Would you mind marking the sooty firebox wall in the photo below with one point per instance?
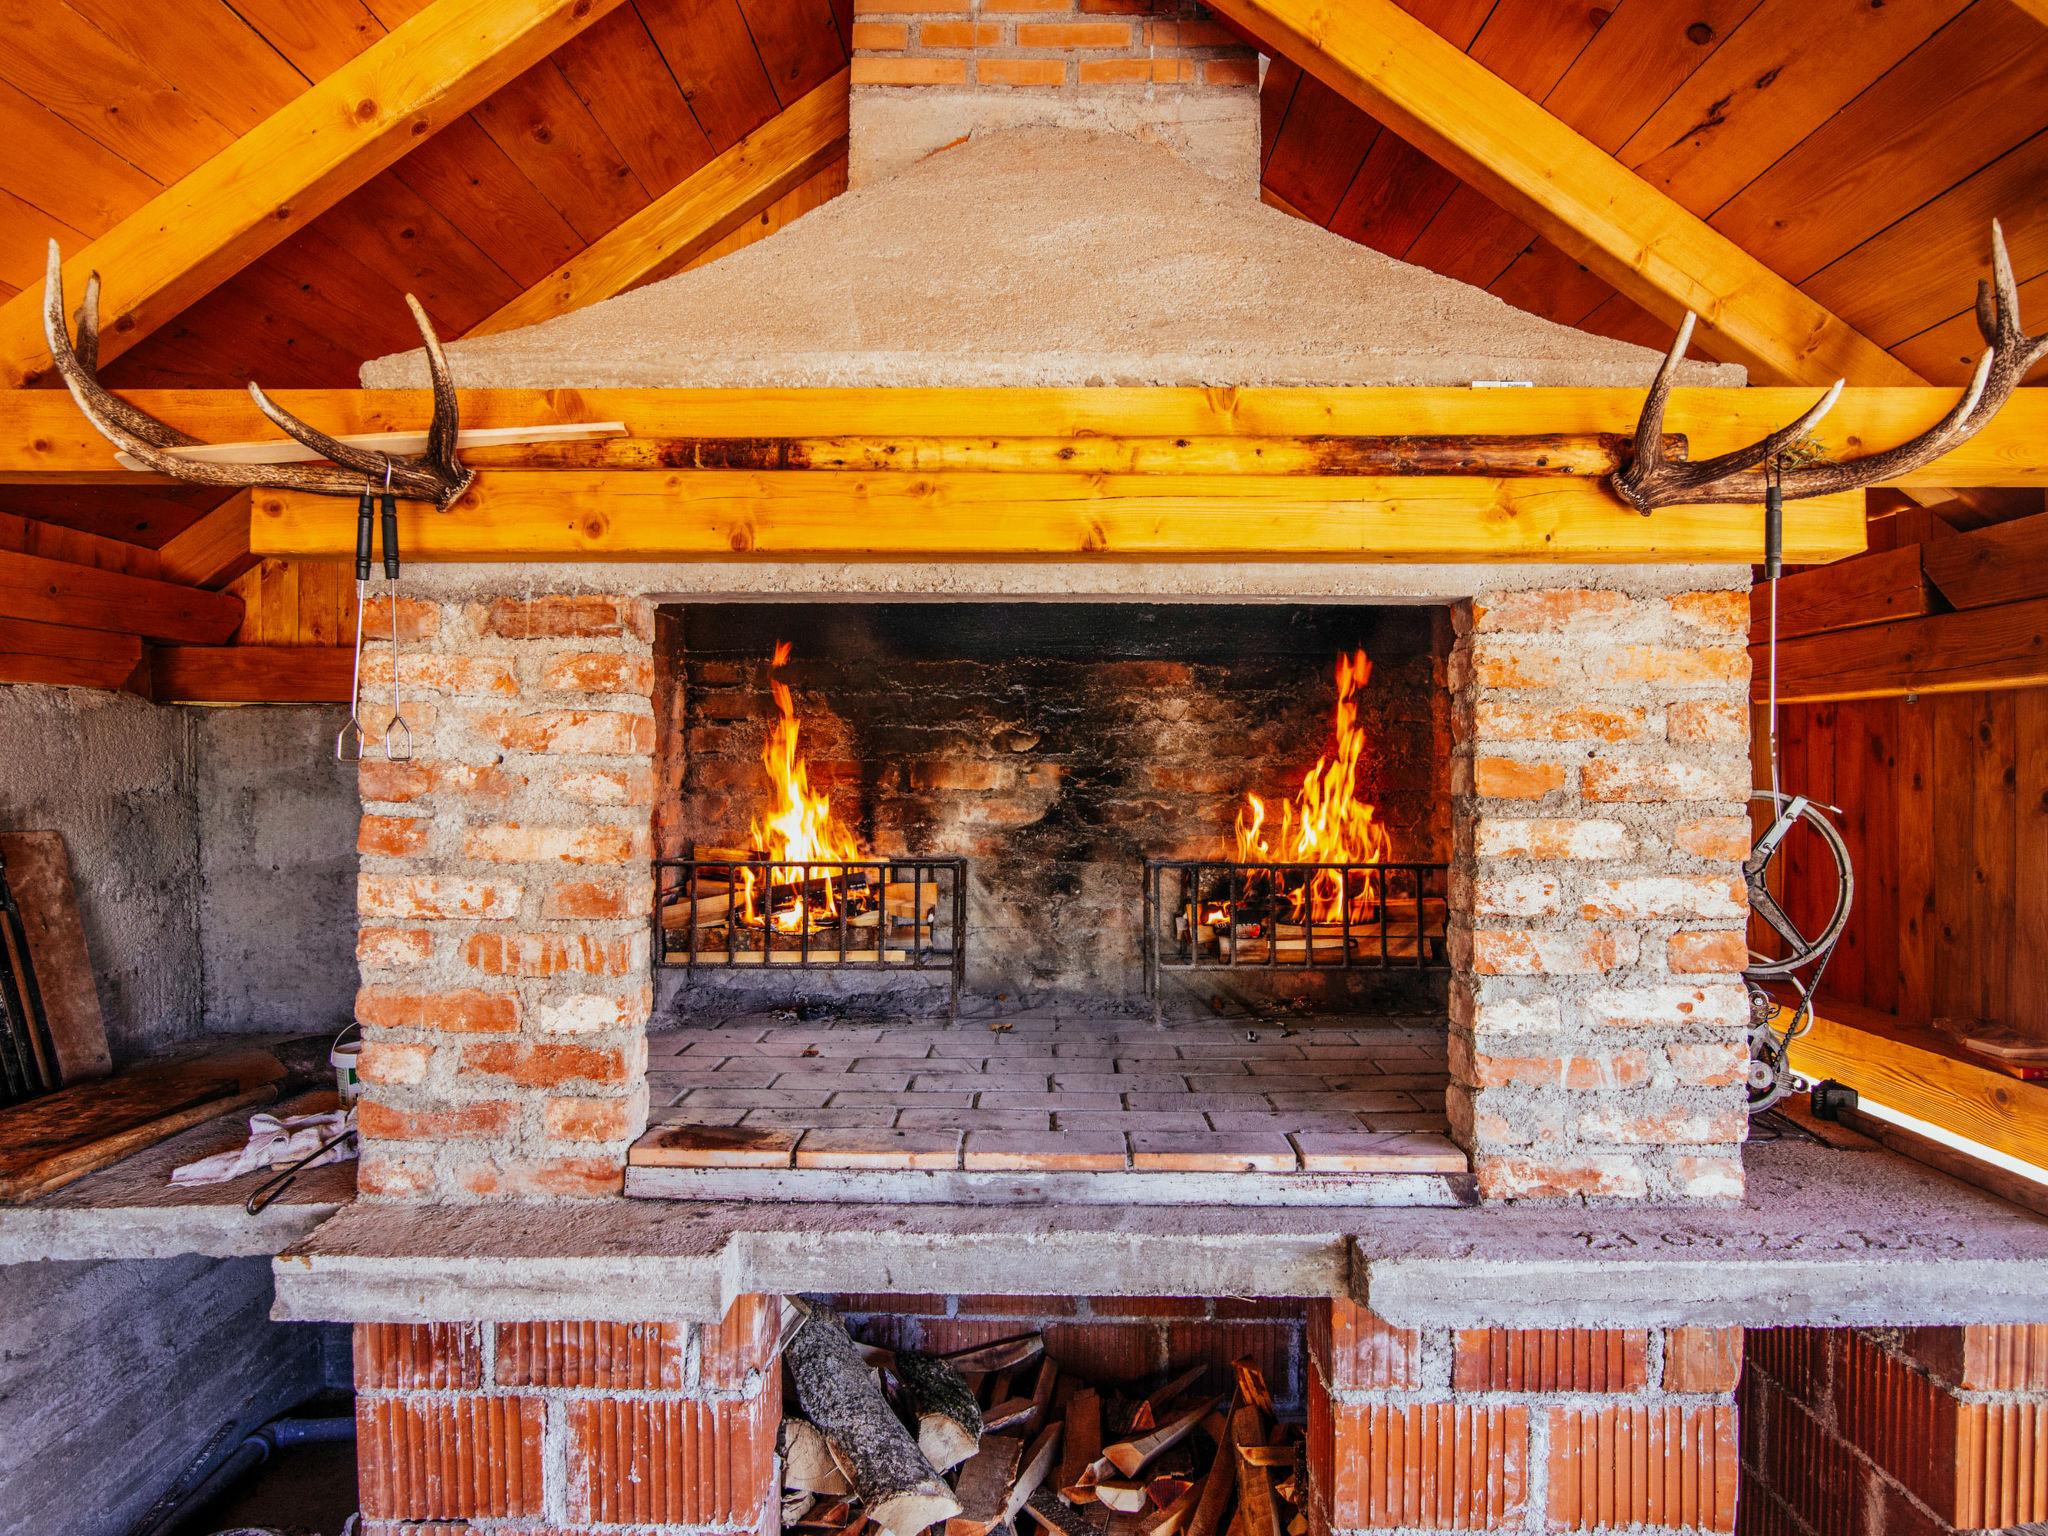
(1057, 746)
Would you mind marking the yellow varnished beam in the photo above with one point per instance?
(742, 514)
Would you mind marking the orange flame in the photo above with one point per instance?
(800, 826)
(1326, 822)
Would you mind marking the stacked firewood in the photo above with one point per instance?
(978, 1440)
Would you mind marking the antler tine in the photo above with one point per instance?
(447, 422)
(360, 460)
(78, 366)
(1998, 319)
(1876, 468)
(1764, 449)
(1649, 444)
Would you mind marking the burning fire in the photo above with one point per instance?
(1326, 822)
(800, 827)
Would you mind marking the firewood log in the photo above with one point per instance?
(807, 1462)
(984, 1484)
(1038, 1463)
(949, 1424)
(1083, 1440)
(1001, 1355)
(1217, 1487)
(1126, 1498)
(838, 1393)
(1010, 1413)
(1255, 1506)
(1131, 1457)
(1170, 1520)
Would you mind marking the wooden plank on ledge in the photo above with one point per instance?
(1919, 1073)
(1873, 588)
(252, 674)
(286, 450)
(2002, 647)
(56, 592)
(44, 439)
(740, 514)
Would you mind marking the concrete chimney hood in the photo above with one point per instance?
(989, 240)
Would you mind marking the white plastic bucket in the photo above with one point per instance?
(342, 1057)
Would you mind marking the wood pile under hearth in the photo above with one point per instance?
(997, 1439)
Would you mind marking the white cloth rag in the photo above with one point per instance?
(273, 1142)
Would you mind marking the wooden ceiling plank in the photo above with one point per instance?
(617, 72)
(1532, 43)
(1393, 197)
(715, 63)
(57, 592)
(1472, 239)
(799, 44)
(238, 333)
(547, 131)
(25, 235)
(1625, 320)
(2004, 563)
(210, 54)
(692, 216)
(141, 512)
(1946, 353)
(304, 158)
(54, 541)
(1654, 49)
(1630, 234)
(214, 550)
(1923, 269)
(316, 36)
(1545, 281)
(1966, 96)
(104, 91)
(51, 166)
(462, 172)
(1791, 66)
(1276, 96)
(1322, 142)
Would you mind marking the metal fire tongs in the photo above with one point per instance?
(397, 731)
(348, 741)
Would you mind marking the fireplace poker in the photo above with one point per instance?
(398, 724)
(344, 751)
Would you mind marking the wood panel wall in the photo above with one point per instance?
(1944, 806)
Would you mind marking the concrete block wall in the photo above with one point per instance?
(503, 899)
(1599, 777)
(1909, 1432)
(1540, 1430)
(1046, 45)
(560, 1427)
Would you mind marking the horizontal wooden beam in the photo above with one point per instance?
(1874, 588)
(2002, 647)
(295, 165)
(2004, 563)
(65, 656)
(43, 439)
(214, 550)
(1660, 254)
(740, 514)
(1915, 1072)
(251, 674)
(56, 592)
(692, 216)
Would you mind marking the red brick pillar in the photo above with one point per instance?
(1566, 1429)
(504, 897)
(548, 1426)
(1599, 775)
(1910, 1432)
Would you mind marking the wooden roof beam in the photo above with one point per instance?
(295, 165)
(694, 215)
(1569, 190)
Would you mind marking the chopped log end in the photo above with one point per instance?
(906, 1514)
(945, 1442)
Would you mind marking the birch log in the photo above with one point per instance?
(838, 1393)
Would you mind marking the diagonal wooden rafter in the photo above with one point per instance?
(665, 236)
(1565, 187)
(299, 162)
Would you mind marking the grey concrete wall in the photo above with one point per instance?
(115, 775)
(277, 870)
(114, 1376)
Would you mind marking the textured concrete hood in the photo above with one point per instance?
(1046, 256)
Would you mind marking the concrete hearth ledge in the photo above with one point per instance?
(1828, 1236)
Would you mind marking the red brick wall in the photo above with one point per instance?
(1046, 44)
(503, 900)
(1909, 1432)
(569, 1427)
(1600, 772)
(1547, 1429)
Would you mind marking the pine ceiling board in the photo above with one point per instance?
(1322, 143)
(1545, 281)
(1531, 43)
(1393, 197)
(393, 230)
(235, 335)
(1276, 94)
(1622, 318)
(51, 166)
(53, 541)
(1977, 88)
(1925, 268)
(547, 131)
(317, 36)
(1786, 70)
(462, 172)
(799, 44)
(1457, 20)
(1947, 353)
(215, 58)
(1471, 239)
(713, 58)
(25, 234)
(1644, 52)
(75, 70)
(147, 515)
(624, 81)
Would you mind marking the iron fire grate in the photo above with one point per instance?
(1219, 914)
(891, 915)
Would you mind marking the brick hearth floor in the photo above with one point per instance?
(1052, 1093)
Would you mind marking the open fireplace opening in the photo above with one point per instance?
(1206, 808)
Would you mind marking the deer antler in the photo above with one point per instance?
(435, 475)
(1649, 480)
